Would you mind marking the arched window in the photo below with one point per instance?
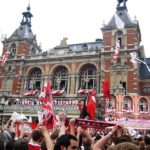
(127, 103)
(143, 106)
(60, 78)
(34, 79)
(112, 102)
(13, 50)
(88, 77)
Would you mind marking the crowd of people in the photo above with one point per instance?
(67, 135)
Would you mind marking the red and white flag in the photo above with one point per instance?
(83, 91)
(58, 92)
(116, 52)
(89, 104)
(31, 93)
(48, 117)
(4, 57)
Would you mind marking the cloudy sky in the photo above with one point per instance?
(78, 20)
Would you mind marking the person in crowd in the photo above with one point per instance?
(36, 139)
(126, 146)
(1, 144)
(66, 142)
(21, 144)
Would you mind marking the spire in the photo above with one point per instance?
(26, 20)
(121, 17)
(121, 5)
(24, 30)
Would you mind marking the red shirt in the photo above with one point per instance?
(34, 146)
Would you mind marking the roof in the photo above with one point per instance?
(97, 45)
(24, 30)
(122, 12)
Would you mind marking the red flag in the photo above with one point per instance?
(43, 92)
(48, 89)
(106, 89)
(4, 57)
(91, 104)
(48, 119)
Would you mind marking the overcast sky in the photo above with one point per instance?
(78, 20)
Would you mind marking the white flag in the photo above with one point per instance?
(119, 22)
(134, 59)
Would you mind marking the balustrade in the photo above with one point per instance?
(34, 108)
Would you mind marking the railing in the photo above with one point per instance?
(34, 108)
(5, 92)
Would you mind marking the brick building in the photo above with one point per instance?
(82, 65)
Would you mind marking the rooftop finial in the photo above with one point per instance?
(28, 8)
(121, 1)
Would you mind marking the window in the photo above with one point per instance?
(143, 106)
(120, 37)
(34, 79)
(88, 77)
(146, 90)
(127, 103)
(13, 50)
(60, 78)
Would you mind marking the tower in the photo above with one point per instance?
(122, 29)
(21, 43)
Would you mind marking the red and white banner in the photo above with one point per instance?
(83, 91)
(116, 52)
(31, 93)
(93, 124)
(58, 92)
(4, 57)
(48, 117)
(127, 111)
(26, 127)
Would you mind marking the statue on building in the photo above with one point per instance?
(63, 42)
(121, 1)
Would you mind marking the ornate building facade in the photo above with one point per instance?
(75, 66)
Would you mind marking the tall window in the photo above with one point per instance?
(112, 103)
(143, 106)
(13, 50)
(120, 37)
(34, 79)
(127, 103)
(60, 78)
(88, 77)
